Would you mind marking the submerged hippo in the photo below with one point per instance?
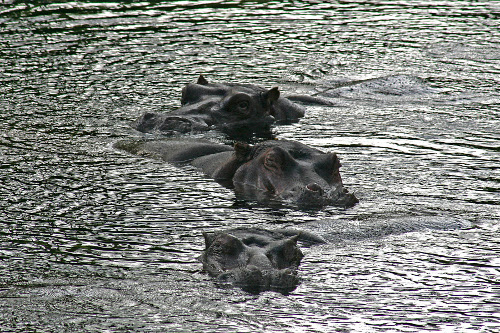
(231, 108)
(254, 259)
(269, 172)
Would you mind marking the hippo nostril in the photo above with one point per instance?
(315, 188)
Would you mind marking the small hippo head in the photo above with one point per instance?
(254, 264)
(239, 110)
(292, 172)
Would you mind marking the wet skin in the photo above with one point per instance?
(230, 108)
(270, 172)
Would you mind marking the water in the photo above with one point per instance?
(92, 239)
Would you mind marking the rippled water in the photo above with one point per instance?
(92, 239)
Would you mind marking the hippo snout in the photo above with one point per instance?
(347, 199)
(342, 197)
(313, 195)
(254, 280)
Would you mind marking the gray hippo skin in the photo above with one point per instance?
(271, 172)
(255, 260)
(231, 108)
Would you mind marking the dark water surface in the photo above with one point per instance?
(92, 239)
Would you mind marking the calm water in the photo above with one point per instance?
(92, 239)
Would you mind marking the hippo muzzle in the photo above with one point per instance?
(254, 280)
(313, 195)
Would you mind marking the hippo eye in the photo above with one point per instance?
(238, 102)
(272, 161)
(243, 105)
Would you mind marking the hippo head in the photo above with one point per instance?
(239, 110)
(252, 262)
(292, 172)
(230, 107)
(236, 107)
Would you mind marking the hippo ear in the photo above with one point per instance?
(285, 253)
(334, 165)
(209, 238)
(271, 95)
(202, 80)
(328, 162)
(291, 252)
(225, 243)
(292, 240)
(336, 161)
(242, 151)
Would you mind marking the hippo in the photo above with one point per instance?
(254, 259)
(272, 172)
(235, 109)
